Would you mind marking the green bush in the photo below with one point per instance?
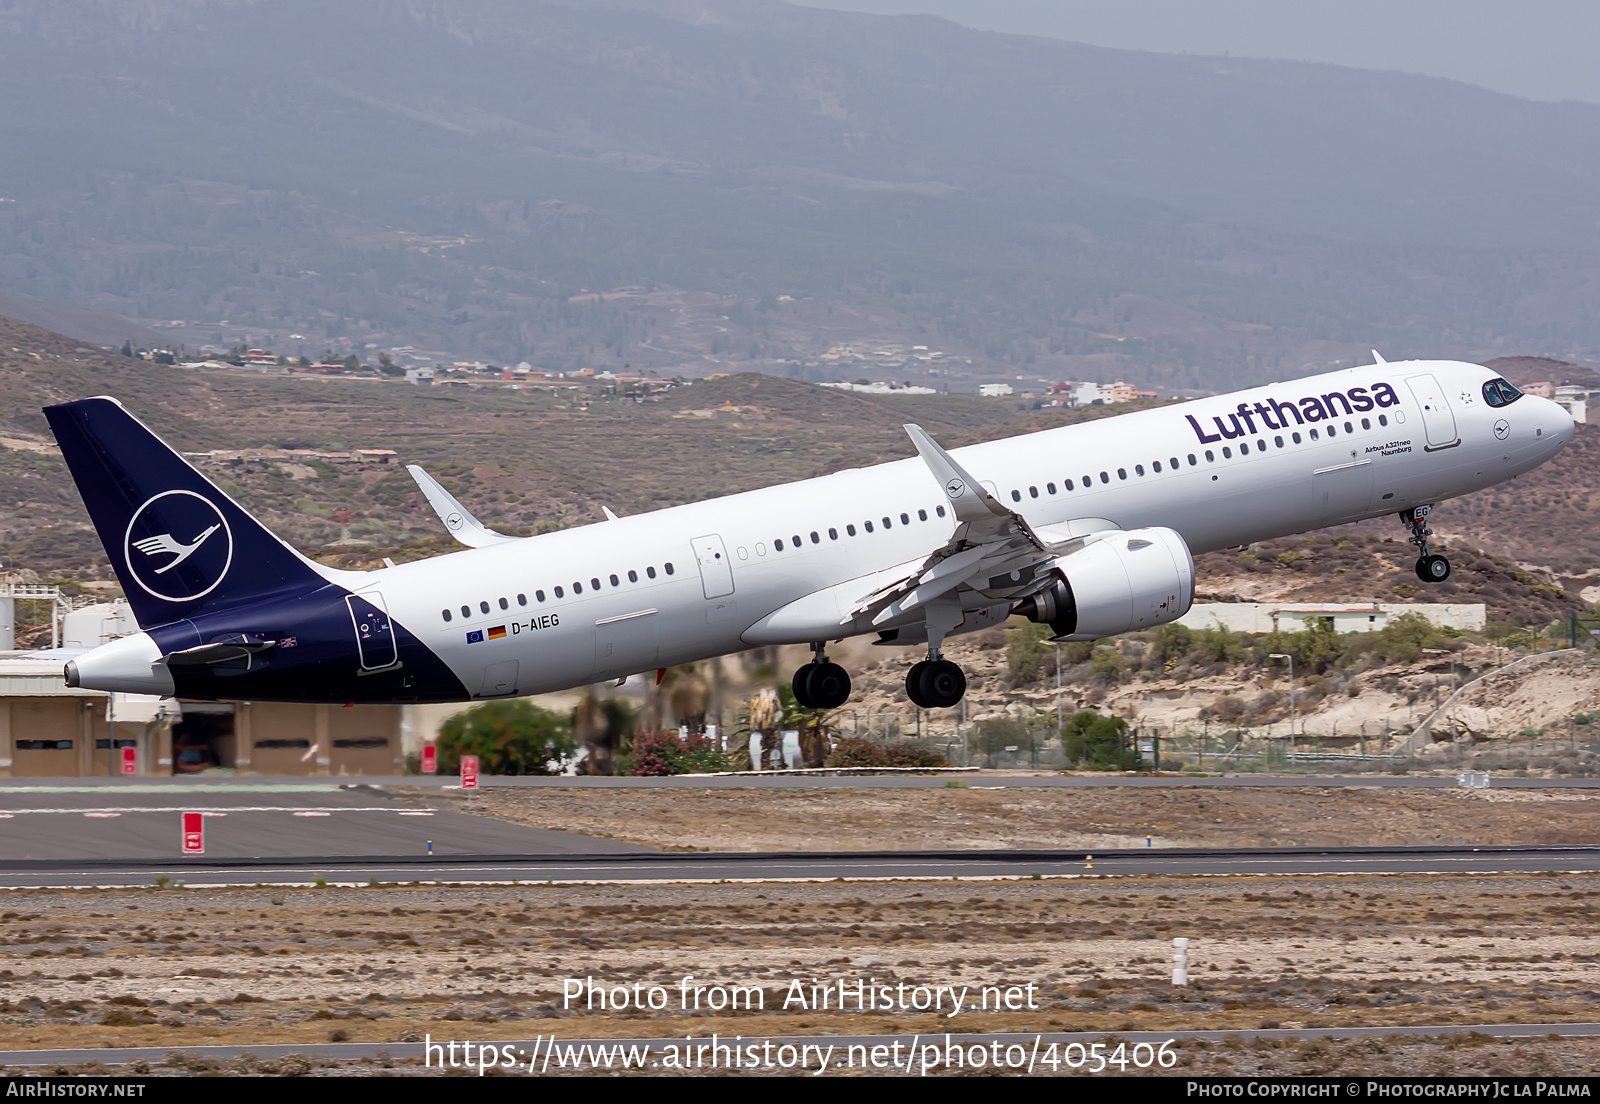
(508, 737)
(854, 752)
(1027, 647)
(1100, 742)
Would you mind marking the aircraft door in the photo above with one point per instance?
(375, 642)
(1438, 420)
(716, 573)
(626, 645)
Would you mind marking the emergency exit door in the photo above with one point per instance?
(716, 573)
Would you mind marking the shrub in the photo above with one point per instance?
(855, 752)
(1027, 646)
(657, 754)
(1099, 741)
(508, 737)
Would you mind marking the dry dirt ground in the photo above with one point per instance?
(861, 819)
(263, 965)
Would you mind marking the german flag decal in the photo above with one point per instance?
(497, 633)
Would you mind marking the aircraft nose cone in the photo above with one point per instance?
(1562, 423)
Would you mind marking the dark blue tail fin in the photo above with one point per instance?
(180, 546)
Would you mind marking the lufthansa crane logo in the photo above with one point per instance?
(955, 488)
(178, 546)
(1502, 429)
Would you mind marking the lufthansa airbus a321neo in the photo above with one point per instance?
(1088, 528)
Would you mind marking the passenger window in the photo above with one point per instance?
(922, 515)
(1050, 488)
(814, 538)
(867, 525)
(1210, 457)
(1138, 469)
(594, 583)
(1155, 466)
(850, 530)
(1104, 478)
(1088, 480)
(615, 581)
(1016, 496)
(1244, 449)
(522, 599)
(577, 588)
(795, 540)
(1348, 428)
(1366, 423)
(504, 604)
(1296, 437)
(1033, 492)
(650, 572)
(668, 566)
(1122, 473)
(560, 593)
(1261, 446)
(1333, 431)
(1313, 434)
(466, 611)
(538, 595)
(905, 519)
(939, 510)
(1174, 463)
(833, 534)
(633, 576)
(1227, 453)
(446, 614)
(1278, 441)
(1192, 460)
(1383, 419)
(777, 544)
(887, 524)
(484, 606)
(1067, 483)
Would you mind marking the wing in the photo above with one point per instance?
(461, 524)
(993, 551)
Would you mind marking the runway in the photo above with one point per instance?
(570, 1053)
(641, 866)
(249, 820)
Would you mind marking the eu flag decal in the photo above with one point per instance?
(497, 633)
(475, 636)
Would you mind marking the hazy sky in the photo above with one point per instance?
(1539, 49)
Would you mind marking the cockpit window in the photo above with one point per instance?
(1498, 392)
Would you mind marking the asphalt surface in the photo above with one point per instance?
(533, 1051)
(643, 865)
(144, 822)
(786, 780)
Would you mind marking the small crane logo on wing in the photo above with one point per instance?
(155, 546)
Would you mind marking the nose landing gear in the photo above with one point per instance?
(820, 684)
(1430, 568)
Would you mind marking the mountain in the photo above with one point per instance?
(750, 182)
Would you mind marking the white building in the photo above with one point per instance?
(1265, 617)
(994, 390)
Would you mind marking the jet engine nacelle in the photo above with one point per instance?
(1122, 582)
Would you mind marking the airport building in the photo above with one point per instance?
(51, 730)
(1266, 617)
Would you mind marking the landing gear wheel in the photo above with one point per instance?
(827, 685)
(1433, 569)
(914, 684)
(800, 684)
(942, 684)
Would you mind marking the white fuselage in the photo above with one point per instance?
(736, 560)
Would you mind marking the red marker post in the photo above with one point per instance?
(430, 759)
(469, 772)
(194, 834)
(130, 760)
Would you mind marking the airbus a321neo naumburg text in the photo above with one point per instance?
(1088, 528)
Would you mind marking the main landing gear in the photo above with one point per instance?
(821, 684)
(935, 683)
(1430, 568)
